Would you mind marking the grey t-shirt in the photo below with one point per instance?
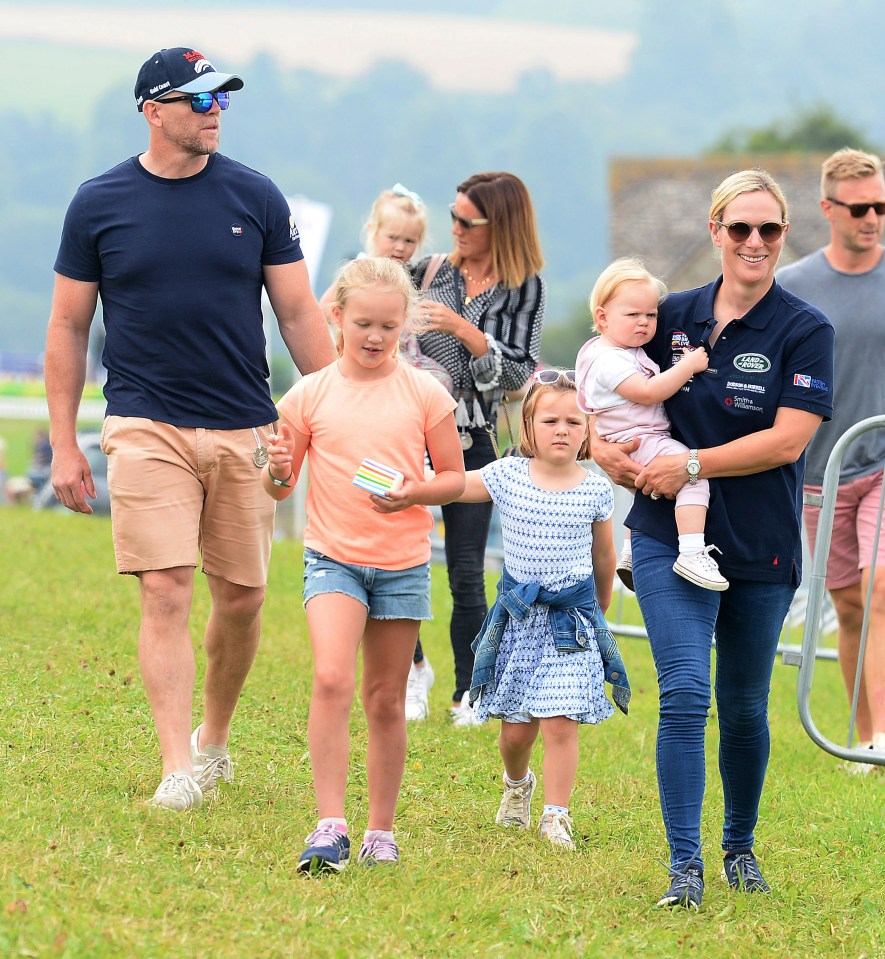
(855, 305)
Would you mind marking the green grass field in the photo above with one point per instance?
(18, 437)
(88, 870)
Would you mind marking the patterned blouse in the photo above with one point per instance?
(511, 320)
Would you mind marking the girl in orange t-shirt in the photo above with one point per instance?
(367, 556)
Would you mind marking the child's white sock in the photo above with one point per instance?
(627, 548)
(691, 543)
(516, 782)
(339, 824)
(373, 834)
(548, 807)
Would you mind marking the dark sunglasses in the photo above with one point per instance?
(857, 210)
(463, 221)
(202, 102)
(553, 376)
(739, 231)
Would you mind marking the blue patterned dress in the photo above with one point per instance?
(547, 539)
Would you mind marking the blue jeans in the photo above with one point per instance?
(680, 619)
(466, 532)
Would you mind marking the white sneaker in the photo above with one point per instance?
(701, 569)
(463, 714)
(624, 569)
(859, 769)
(516, 803)
(557, 828)
(417, 687)
(178, 792)
(211, 764)
(864, 769)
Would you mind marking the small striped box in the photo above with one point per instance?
(377, 478)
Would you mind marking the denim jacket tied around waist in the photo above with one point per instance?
(575, 618)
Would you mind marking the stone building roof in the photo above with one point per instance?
(659, 210)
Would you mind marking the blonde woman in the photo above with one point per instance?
(746, 422)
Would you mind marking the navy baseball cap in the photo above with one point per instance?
(183, 70)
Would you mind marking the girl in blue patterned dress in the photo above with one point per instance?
(544, 650)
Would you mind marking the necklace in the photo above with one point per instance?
(483, 283)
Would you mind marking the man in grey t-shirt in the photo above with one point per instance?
(846, 280)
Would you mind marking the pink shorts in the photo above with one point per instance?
(178, 493)
(855, 522)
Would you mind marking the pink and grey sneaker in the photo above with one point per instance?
(378, 848)
(328, 850)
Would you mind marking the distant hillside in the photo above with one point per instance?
(694, 72)
(454, 52)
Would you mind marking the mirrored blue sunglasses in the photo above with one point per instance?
(202, 102)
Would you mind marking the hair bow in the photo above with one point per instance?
(400, 190)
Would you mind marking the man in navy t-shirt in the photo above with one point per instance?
(179, 244)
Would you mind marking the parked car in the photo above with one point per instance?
(44, 496)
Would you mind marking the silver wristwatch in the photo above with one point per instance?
(693, 467)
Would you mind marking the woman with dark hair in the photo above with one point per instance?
(746, 421)
(482, 321)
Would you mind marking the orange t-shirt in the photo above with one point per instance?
(348, 420)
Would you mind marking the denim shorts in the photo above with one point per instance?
(386, 593)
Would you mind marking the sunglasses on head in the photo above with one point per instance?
(553, 376)
(857, 210)
(739, 231)
(202, 102)
(463, 221)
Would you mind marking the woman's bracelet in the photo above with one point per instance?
(280, 482)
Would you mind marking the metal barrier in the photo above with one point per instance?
(817, 593)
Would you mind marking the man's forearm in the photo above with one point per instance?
(65, 376)
(308, 342)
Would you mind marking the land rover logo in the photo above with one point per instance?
(752, 363)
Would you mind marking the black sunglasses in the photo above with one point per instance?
(739, 231)
(202, 102)
(465, 223)
(857, 210)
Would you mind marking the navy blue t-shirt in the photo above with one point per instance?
(179, 267)
(778, 354)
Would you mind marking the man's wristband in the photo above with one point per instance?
(280, 482)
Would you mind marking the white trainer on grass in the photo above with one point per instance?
(178, 792)
(212, 764)
(418, 687)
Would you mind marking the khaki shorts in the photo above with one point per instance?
(178, 493)
(855, 523)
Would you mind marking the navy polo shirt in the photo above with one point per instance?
(778, 354)
(180, 270)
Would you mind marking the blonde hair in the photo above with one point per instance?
(746, 181)
(502, 199)
(405, 203)
(847, 164)
(375, 273)
(627, 269)
(527, 443)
